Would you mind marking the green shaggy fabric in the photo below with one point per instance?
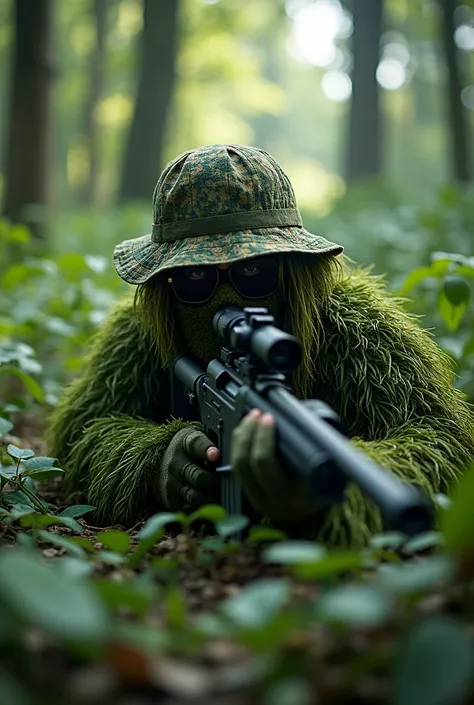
(109, 427)
(393, 388)
(364, 356)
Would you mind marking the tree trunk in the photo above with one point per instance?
(456, 112)
(30, 120)
(87, 192)
(157, 76)
(364, 138)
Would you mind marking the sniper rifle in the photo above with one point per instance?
(252, 371)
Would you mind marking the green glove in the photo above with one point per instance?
(184, 482)
(269, 489)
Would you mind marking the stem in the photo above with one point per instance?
(36, 500)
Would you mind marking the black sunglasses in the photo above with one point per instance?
(252, 279)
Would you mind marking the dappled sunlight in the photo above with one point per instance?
(316, 189)
(316, 26)
(114, 111)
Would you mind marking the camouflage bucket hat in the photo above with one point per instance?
(215, 204)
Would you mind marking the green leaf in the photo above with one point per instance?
(357, 606)
(112, 558)
(428, 539)
(37, 520)
(414, 577)
(390, 539)
(39, 462)
(332, 564)
(209, 512)
(466, 270)
(142, 549)
(19, 511)
(75, 568)
(16, 497)
(468, 349)
(175, 606)
(136, 596)
(19, 453)
(259, 534)
(19, 233)
(117, 541)
(72, 265)
(5, 427)
(48, 599)
(25, 540)
(166, 569)
(144, 638)
(231, 525)
(434, 665)
(76, 511)
(290, 691)
(451, 314)
(44, 473)
(155, 523)
(456, 290)
(62, 542)
(212, 543)
(30, 384)
(416, 277)
(8, 472)
(71, 523)
(293, 552)
(457, 522)
(151, 532)
(257, 603)
(87, 544)
(449, 257)
(211, 625)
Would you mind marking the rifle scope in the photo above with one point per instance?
(253, 330)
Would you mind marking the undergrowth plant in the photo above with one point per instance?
(178, 604)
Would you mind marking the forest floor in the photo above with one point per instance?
(205, 620)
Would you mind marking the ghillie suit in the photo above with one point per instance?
(362, 354)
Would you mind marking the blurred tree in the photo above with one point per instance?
(6, 58)
(87, 191)
(144, 149)
(364, 135)
(29, 128)
(457, 114)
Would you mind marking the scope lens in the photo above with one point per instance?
(283, 355)
(277, 349)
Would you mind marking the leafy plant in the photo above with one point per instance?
(19, 498)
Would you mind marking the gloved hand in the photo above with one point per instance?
(184, 482)
(254, 460)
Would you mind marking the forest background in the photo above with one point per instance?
(369, 107)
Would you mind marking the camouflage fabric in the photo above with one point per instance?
(218, 203)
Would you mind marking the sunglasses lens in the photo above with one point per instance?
(256, 278)
(194, 285)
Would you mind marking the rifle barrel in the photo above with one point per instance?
(403, 506)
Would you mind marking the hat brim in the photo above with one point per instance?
(137, 260)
